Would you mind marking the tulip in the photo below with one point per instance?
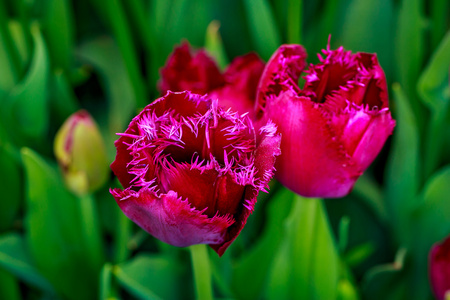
(439, 269)
(334, 126)
(81, 154)
(199, 73)
(191, 170)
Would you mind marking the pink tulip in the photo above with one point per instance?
(334, 126)
(439, 269)
(191, 170)
(197, 72)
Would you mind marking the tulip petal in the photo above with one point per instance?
(242, 77)
(184, 146)
(186, 70)
(171, 219)
(313, 161)
(439, 269)
(280, 74)
(363, 133)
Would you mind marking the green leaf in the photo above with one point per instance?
(62, 98)
(431, 216)
(105, 57)
(343, 233)
(9, 49)
(438, 18)
(214, 44)
(52, 227)
(369, 191)
(15, 259)
(260, 257)
(368, 27)
(10, 185)
(116, 19)
(434, 80)
(27, 102)
(409, 50)
(172, 24)
(386, 281)
(9, 286)
(430, 224)
(264, 33)
(150, 277)
(434, 90)
(58, 30)
(312, 268)
(359, 254)
(402, 171)
(295, 19)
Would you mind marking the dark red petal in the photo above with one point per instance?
(265, 155)
(240, 221)
(242, 77)
(281, 73)
(313, 163)
(185, 70)
(269, 142)
(439, 269)
(119, 165)
(376, 88)
(171, 219)
(184, 104)
(334, 71)
(206, 189)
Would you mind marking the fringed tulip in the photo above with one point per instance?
(439, 269)
(334, 126)
(198, 73)
(191, 170)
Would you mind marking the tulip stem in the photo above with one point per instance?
(122, 238)
(91, 230)
(202, 271)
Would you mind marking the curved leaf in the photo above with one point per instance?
(15, 259)
(52, 229)
(26, 106)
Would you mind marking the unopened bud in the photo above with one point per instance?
(80, 152)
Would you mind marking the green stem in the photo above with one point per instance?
(202, 271)
(294, 28)
(122, 237)
(91, 230)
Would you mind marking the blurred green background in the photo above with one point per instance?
(58, 56)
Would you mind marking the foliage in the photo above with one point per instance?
(58, 56)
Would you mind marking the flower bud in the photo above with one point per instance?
(80, 152)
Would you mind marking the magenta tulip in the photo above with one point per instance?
(199, 73)
(191, 170)
(439, 269)
(333, 127)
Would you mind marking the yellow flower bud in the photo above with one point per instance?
(81, 154)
